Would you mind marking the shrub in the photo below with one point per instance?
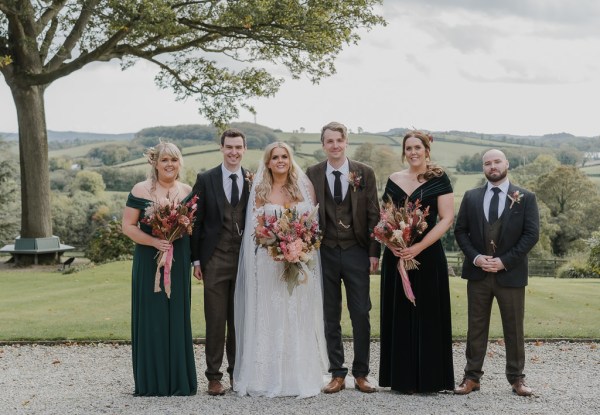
(109, 244)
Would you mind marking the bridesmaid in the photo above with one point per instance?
(416, 341)
(161, 330)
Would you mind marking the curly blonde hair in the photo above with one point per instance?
(263, 189)
(433, 170)
(153, 154)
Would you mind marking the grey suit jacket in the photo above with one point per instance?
(518, 235)
(365, 204)
(209, 216)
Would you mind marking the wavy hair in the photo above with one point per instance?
(433, 170)
(153, 154)
(263, 189)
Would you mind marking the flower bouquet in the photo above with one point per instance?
(169, 220)
(400, 227)
(290, 237)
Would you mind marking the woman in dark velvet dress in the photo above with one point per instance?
(416, 341)
(161, 330)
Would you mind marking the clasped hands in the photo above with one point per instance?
(489, 263)
(405, 253)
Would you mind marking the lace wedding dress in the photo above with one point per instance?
(280, 343)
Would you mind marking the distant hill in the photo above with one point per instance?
(76, 135)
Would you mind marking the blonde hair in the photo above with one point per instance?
(263, 189)
(334, 126)
(153, 154)
(433, 170)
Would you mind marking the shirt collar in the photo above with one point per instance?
(344, 168)
(503, 186)
(227, 173)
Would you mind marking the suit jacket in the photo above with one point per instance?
(518, 234)
(209, 216)
(365, 204)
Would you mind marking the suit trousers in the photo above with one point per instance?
(219, 286)
(352, 267)
(511, 302)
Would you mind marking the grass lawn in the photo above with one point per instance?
(94, 303)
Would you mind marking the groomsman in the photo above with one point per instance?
(496, 227)
(216, 240)
(349, 210)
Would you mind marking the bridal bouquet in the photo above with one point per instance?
(169, 220)
(400, 227)
(290, 237)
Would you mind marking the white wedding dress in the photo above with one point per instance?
(280, 342)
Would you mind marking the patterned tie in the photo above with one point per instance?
(337, 187)
(235, 191)
(493, 216)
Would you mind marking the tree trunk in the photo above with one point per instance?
(36, 216)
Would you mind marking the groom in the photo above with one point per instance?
(497, 225)
(216, 240)
(348, 211)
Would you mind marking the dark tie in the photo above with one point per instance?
(493, 216)
(337, 187)
(235, 191)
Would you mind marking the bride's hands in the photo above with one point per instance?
(410, 253)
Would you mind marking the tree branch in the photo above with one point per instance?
(65, 50)
(50, 14)
(45, 46)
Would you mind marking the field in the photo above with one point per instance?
(94, 303)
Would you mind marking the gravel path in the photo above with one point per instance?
(97, 379)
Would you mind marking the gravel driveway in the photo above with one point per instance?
(97, 379)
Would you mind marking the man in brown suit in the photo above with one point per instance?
(222, 198)
(348, 211)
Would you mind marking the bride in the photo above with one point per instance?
(280, 343)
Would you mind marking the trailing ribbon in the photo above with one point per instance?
(408, 292)
(165, 260)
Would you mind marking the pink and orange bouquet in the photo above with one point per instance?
(170, 221)
(400, 227)
(290, 237)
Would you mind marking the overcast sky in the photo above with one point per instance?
(527, 67)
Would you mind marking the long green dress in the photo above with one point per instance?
(161, 329)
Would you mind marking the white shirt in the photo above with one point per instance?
(487, 198)
(345, 170)
(227, 181)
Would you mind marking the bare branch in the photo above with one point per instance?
(50, 14)
(45, 46)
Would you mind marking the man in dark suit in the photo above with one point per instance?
(349, 210)
(216, 240)
(496, 227)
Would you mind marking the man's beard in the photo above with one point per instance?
(496, 176)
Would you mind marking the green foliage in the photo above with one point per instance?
(109, 244)
(120, 180)
(9, 197)
(111, 155)
(88, 181)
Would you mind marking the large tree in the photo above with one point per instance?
(44, 40)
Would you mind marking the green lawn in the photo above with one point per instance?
(95, 304)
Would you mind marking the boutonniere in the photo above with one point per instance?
(249, 177)
(355, 180)
(515, 197)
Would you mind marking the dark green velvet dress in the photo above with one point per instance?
(416, 342)
(161, 329)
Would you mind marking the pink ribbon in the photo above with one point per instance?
(408, 292)
(165, 260)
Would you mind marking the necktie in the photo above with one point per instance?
(235, 191)
(337, 187)
(493, 216)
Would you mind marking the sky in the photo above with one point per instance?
(524, 67)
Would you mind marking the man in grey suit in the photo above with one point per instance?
(496, 227)
(222, 198)
(348, 211)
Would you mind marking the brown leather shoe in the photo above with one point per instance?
(336, 385)
(521, 389)
(215, 388)
(466, 386)
(362, 384)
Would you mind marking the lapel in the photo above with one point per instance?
(352, 167)
(319, 186)
(506, 214)
(245, 186)
(479, 213)
(217, 184)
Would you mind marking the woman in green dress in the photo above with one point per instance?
(161, 330)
